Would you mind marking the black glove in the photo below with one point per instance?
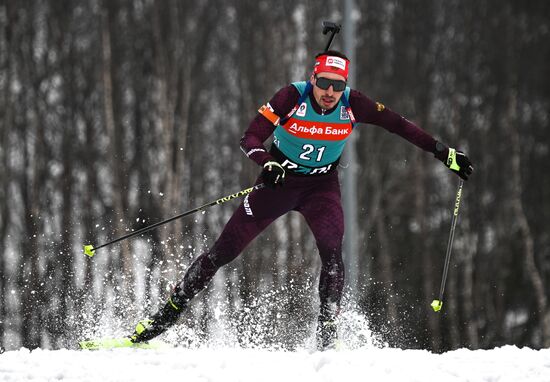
(455, 160)
(273, 174)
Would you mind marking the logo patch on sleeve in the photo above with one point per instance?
(380, 106)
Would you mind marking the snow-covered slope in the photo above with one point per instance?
(232, 364)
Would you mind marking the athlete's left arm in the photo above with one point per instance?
(366, 110)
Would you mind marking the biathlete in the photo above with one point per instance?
(310, 123)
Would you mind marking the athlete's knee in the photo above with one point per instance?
(330, 241)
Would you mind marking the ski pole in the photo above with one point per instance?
(330, 27)
(437, 304)
(90, 249)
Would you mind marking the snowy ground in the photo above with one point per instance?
(229, 364)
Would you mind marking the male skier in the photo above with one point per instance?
(311, 122)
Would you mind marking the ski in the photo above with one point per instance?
(122, 342)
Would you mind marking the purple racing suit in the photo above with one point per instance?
(317, 198)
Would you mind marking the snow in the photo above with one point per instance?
(507, 363)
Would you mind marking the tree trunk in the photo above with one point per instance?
(30, 275)
(385, 255)
(468, 295)
(116, 164)
(5, 170)
(165, 82)
(510, 123)
(32, 179)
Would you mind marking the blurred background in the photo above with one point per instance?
(117, 114)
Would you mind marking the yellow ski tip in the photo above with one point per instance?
(123, 342)
(89, 250)
(436, 305)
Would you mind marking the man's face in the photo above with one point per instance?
(328, 98)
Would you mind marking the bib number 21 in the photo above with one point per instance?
(309, 151)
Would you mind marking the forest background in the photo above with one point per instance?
(117, 114)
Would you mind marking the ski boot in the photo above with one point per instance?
(327, 334)
(156, 325)
(327, 326)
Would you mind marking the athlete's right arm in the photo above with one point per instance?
(261, 128)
